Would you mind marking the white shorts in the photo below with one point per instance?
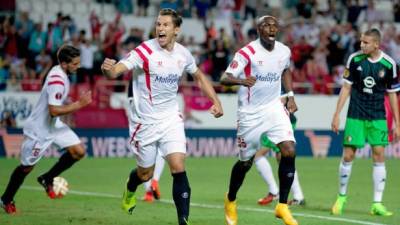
(32, 149)
(165, 137)
(274, 122)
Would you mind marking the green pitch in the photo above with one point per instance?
(96, 186)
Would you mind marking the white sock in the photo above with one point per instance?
(344, 176)
(379, 177)
(147, 185)
(158, 169)
(264, 168)
(296, 188)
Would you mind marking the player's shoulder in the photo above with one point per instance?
(282, 47)
(56, 73)
(146, 47)
(357, 56)
(387, 61)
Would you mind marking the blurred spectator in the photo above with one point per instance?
(394, 48)
(11, 38)
(301, 52)
(354, 9)
(13, 83)
(88, 50)
(202, 7)
(225, 9)
(219, 60)
(37, 41)
(305, 8)
(251, 9)
(186, 8)
(95, 24)
(252, 31)
(135, 37)
(396, 11)
(24, 26)
(54, 41)
(43, 64)
(172, 4)
(68, 27)
(124, 6)
(142, 7)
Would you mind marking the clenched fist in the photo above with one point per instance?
(107, 66)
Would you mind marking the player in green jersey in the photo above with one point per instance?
(369, 74)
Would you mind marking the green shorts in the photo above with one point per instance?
(266, 143)
(357, 131)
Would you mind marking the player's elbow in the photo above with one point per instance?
(224, 79)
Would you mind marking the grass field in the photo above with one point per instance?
(96, 186)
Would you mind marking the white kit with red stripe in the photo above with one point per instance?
(40, 123)
(260, 109)
(156, 76)
(267, 66)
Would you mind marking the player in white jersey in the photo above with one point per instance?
(44, 127)
(258, 68)
(155, 120)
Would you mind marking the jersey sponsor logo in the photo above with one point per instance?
(349, 138)
(369, 83)
(58, 95)
(234, 64)
(269, 77)
(359, 68)
(169, 79)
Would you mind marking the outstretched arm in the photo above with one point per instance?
(205, 85)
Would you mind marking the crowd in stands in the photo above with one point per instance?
(320, 33)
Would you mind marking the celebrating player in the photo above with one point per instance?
(258, 68)
(155, 121)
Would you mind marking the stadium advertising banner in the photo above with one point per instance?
(114, 143)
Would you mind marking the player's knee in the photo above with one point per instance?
(77, 151)
(26, 169)
(245, 165)
(145, 174)
(287, 149)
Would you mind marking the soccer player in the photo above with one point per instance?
(44, 127)
(155, 120)
(259, 68)
(265, 170)
(369, 74)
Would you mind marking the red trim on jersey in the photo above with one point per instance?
(134, 132)
(147, 48)
(247, 70)
(251, 49)
(146, 71)
(55, 82)
(56, 76)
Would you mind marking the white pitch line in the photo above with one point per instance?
(97, 194)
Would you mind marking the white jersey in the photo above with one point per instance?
(267, 67)
(41, 125)
(156, 76)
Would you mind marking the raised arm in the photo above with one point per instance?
(112, 70)
(205, 85)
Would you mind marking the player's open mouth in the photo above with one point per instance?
(271, 37)
(162, 37)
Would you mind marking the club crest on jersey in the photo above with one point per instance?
(381, 73)
(346, 73)
(234, 64)
(58, 95)
(159, 63)
(260, 63)
(349, 138)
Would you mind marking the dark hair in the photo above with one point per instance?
(374, 33)
(66, 53)
(176, 19)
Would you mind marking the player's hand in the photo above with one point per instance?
(107, 65)
(216, 110)
(85, 99)
(335, 123)
(291, 105)
(249, 81)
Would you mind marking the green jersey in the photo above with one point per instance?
(369, 80)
